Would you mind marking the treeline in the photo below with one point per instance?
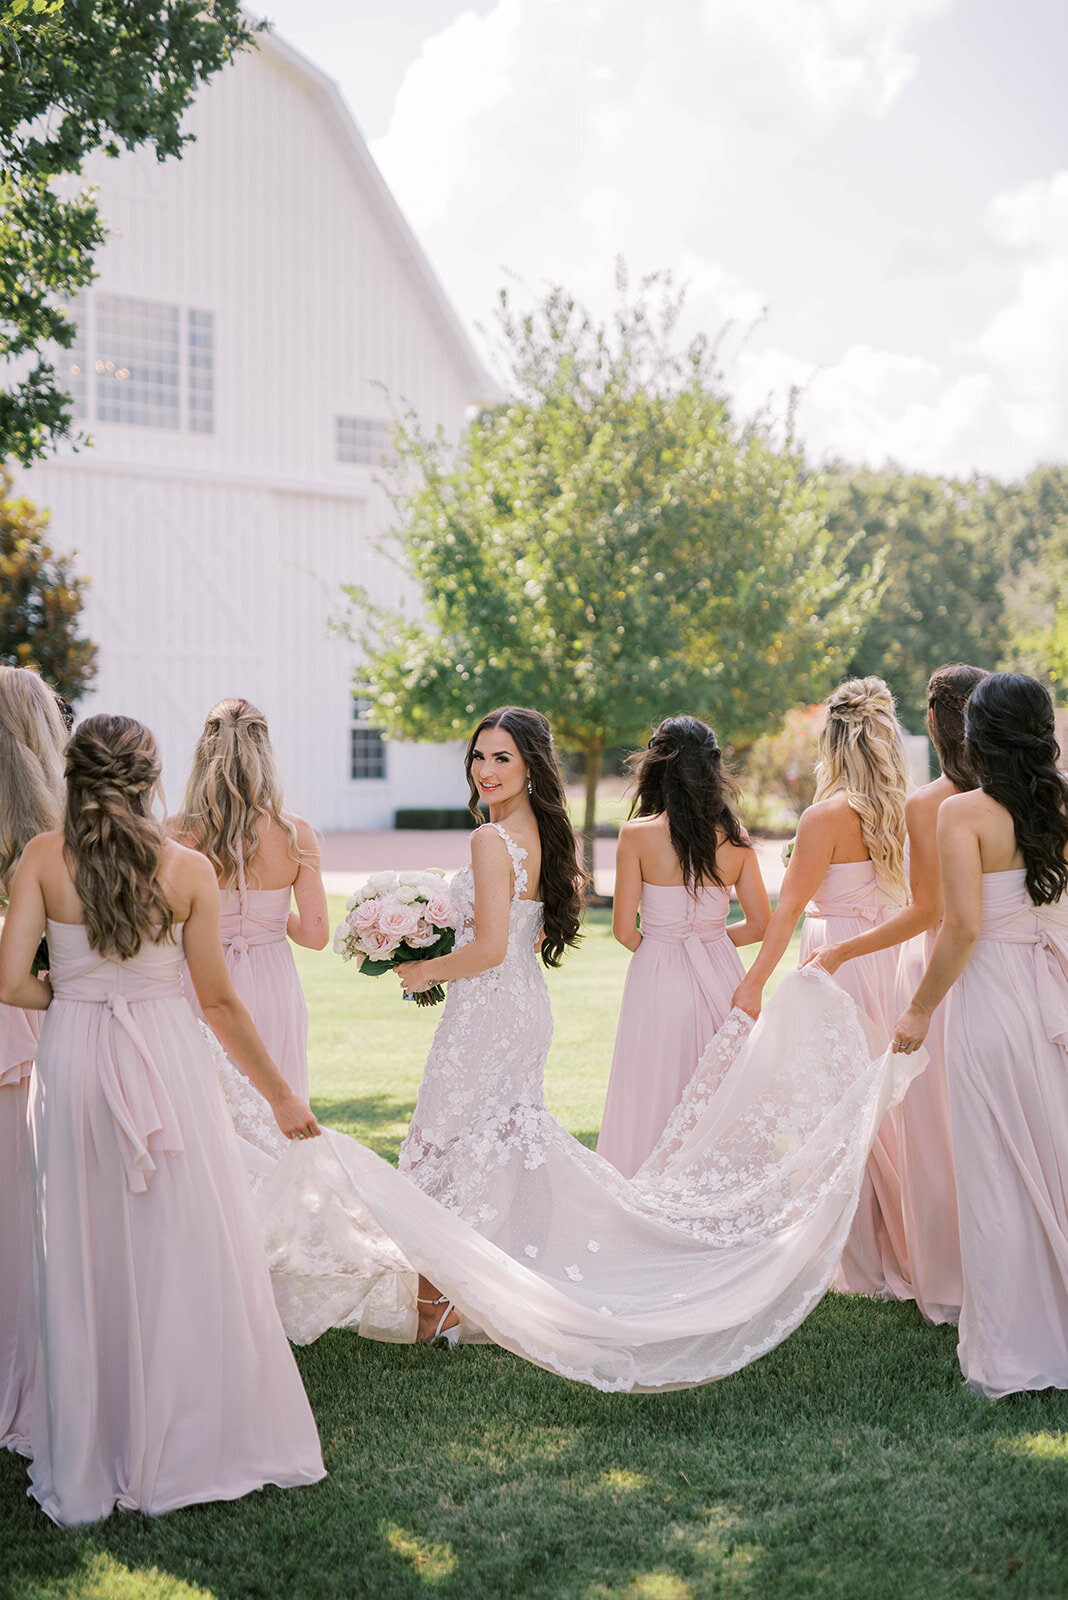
(973, 571)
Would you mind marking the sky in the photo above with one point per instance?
(867, 199)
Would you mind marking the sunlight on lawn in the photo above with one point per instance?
(101, 1577)
(1041, 1446)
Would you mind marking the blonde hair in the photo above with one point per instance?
(112, 838)
(233, 783)
(32, 740)
(861, 751)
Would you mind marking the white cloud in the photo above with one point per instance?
(548, 136)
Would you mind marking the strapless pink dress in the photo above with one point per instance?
(1007, 1055)
(928, 1191)
(19, 1032)
(677, 994)
(849, 902)
(260, 963)
(165, 1377)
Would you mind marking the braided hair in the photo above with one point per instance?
(861, 751)
(1013, 746)
(233, 783)
(112, 840)
(948, 689)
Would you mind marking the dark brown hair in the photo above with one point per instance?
(113, 842)
(680, 774)
(563, 881)
(1013, 746)
(948, 689)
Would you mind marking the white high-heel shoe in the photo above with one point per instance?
(442, 1338)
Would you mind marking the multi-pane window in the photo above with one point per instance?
(137, 367)
(362, 440)
(201, 355)
(368, 748)
(142, 362)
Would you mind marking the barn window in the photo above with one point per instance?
(142, 362)
(362, 440)
(200, 351)
(368, 748)
(138, 362)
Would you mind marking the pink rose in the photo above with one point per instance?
(365, 916)
(438, 910)
(397, 921)
(378, 945)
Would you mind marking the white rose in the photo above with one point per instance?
(406, 893)
(381, 882)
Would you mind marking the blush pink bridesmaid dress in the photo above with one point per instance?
(165, 1377)
(19, 1032)
(677, 994)
(928, 1191)
(849, 902)
(1007, 1054)
(261, 967)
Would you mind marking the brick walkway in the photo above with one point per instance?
(350, 858)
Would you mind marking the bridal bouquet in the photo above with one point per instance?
(395, 917)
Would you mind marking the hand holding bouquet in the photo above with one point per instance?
(398, 917)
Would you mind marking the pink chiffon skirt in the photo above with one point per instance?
(677, 994)
(19, 1031)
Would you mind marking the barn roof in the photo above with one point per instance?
(336, 110)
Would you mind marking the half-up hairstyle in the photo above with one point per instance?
(948, 689)
(1013, 747)
(234, 782)
(113, 842)
(563, 881)
(32, 741)
(680, 775)
(861, 751)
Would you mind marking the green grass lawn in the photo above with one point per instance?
(849, 1462)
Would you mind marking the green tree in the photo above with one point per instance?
(942, 601)
(609, 546)
(1032, 519)
(40, 601)
(77, 76)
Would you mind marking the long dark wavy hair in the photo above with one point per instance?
(948, 689)
(113, 841)
(563, 881)
(1013, 747)
(680, 775)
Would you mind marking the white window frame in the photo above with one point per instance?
(359, 728)
(86, 364)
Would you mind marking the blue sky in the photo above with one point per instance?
(883, 182)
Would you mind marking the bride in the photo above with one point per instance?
(500, 1225)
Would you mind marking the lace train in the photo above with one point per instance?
(713, 1253)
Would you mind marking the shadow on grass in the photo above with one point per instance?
(850, 1461)
(377, 1120)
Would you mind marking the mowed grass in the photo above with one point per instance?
(850, 1462)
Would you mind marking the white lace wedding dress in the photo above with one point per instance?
(708, 1257)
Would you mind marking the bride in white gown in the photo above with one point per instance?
(718, 1247)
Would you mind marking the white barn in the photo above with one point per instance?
(254, 301)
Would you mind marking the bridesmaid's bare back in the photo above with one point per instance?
(660, 865)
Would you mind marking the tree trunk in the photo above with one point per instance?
(594, 759)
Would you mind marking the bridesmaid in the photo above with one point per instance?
(164, 1375)
(676, 864)
(1002, 956)
(233, 814)
(848, 868)
(928, 1196)
(32, 740)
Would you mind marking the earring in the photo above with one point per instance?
(530, 787)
